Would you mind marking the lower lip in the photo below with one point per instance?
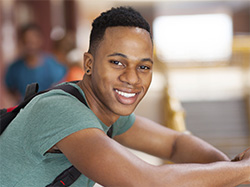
(126, 100)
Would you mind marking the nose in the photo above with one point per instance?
(130, 76)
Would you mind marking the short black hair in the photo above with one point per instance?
(120, 16)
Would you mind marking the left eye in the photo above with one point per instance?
(144, 67)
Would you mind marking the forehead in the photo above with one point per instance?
(126, 40)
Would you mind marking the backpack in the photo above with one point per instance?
(69, 175)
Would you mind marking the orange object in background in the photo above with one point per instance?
(75, 67)
(74, 73)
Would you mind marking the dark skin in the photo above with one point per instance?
(119, 75)
(31, 45)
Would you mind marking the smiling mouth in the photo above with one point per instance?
(125, 94)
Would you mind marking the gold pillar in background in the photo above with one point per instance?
(174, 114)
(241, 49)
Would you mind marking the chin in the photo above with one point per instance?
(125, 112)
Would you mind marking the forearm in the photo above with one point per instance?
(213, 174)
(190, 149)
(107, 158)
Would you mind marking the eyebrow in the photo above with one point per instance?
(125, 56)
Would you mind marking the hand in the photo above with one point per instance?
(240, 156)
(244, 155)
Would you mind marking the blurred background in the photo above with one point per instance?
(201, 81)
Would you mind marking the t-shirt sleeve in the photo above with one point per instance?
(54, 117)
(123, 124)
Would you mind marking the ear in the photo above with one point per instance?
(88, 60)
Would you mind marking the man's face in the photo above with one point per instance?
(122, 69)
(32, 42)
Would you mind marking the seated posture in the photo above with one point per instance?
(118, 68)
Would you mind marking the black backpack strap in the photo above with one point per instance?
(110, 132)
(7, 117)
(31, 89)
(71, 174)
(73, 91)
(3, 111)
(66, 178)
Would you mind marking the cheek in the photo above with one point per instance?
(147, 81)
(103, 80)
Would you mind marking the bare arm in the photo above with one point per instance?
(150, 137)
(110, 164)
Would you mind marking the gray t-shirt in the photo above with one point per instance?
(46, 120)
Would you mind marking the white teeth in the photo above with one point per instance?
(124, 94)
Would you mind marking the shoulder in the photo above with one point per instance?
(49, 58)
(54, 115)
(54, 65)
(59, 100)
(62, 106)
(16, 64)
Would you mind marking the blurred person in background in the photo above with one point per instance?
(63, 43)
(68, 54)
(33, 65)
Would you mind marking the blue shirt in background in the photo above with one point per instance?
(48, 73)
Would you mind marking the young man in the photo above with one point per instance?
(118, 69)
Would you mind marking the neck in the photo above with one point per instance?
(100, 110)
(32, 61)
